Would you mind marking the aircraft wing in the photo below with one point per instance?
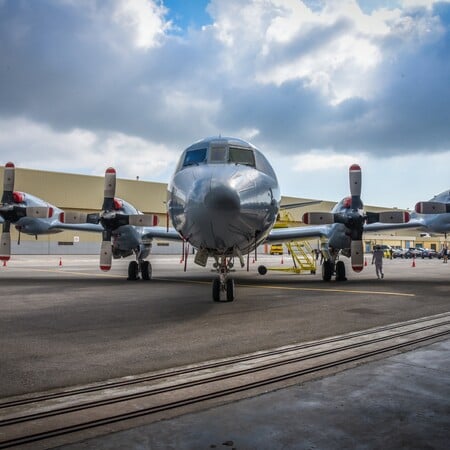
(77, 227)
(161, 233)
(278, 235)
(413, 223)
(148, 232)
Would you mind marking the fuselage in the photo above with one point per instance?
(224, 196)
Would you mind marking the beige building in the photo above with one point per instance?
(85, 193)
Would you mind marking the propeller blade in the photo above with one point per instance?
(110, 189)
(394, 216)
(432, 208)
(357, 255)
(318, 218)
(355, 186)
(143, 220)
(106, 252)
(5, 243)
(8, 183)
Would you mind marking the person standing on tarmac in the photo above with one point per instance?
(378, 259)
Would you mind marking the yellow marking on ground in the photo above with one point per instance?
(290, 288)
(344, 291)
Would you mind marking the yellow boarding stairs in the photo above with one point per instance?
(301, 252)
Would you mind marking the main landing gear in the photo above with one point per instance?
(140, 267)
(330, 267)
(222, 284)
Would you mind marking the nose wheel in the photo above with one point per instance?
(226, 288)
(223, 286)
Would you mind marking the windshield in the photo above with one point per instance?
(195, 157)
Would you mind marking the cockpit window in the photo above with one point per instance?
(195, 157)
(217, 154)
(242, 156)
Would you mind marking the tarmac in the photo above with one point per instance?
(57, 319)
(400, 402)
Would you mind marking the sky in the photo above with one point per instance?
(316, 85)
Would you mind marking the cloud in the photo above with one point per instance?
(39, 147)
(292, 76)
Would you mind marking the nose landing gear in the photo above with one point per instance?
(222, 283)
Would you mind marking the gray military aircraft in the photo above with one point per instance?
(29, 214)
(224, 200)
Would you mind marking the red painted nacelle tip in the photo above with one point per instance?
(357, 268)
(105, 268)
(355, 167)
(9, 164)
(305, 218)
(110, 170)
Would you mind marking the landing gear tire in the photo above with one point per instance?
(216, 289)
(262, 270)
(133, 271)
(340, 271)
(230, 289)
(146, 270)
(327, 270)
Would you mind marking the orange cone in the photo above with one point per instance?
(282, 260)
(365, 262)
(413, 263)
(60, 262)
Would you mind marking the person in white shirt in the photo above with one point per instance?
(377, 258)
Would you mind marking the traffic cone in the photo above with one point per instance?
(60, 262)
(365, 262)
(413, 263)
(282, 260)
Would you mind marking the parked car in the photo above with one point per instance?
(413, 253)
(429, 253)
(399, 253)
(276, 249)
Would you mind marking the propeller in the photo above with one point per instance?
(112, 216)
(7, 199)
(354, 218)
(12, 209)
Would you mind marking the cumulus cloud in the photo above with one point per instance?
(296, 77)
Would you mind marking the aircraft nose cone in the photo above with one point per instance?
(222, 199)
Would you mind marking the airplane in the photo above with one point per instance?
(224, 200)
(432, 216)
(29, 214)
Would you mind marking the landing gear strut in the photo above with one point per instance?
(222, 283)
(144, 268)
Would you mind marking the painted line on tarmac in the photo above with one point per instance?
(343, 291)
(290, 288)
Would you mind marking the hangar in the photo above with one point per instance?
(76, 192)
